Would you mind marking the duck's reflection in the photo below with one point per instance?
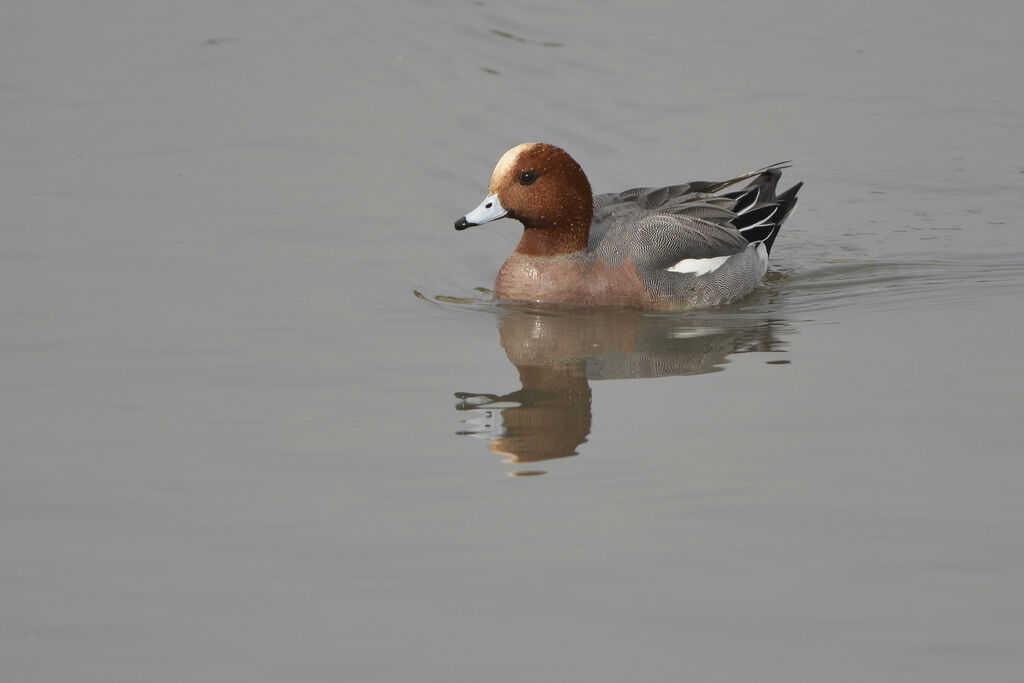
(557, 353)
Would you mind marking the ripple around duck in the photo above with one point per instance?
(883, 285)
(874, 285)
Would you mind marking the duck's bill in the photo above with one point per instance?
(490, 209)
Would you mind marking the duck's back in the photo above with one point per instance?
(657, 227)
(689, 242)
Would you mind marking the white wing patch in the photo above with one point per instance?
(698, 266)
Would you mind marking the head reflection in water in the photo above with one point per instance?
(557, 353)
(548, 418)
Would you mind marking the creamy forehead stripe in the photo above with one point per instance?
(509, 159)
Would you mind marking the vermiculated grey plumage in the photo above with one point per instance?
(659, 227)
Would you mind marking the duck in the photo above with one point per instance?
(680, 247)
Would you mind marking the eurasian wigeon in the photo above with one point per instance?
(677, 247)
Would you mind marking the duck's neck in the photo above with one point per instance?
(555, 239)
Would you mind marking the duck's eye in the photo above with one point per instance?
(527, 177)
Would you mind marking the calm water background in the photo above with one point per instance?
(231, 444)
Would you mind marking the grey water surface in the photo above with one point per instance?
(258, 412)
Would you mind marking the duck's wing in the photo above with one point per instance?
(659, 227)
(660, 240)
(641, 199)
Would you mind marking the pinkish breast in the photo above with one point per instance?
(564, 281)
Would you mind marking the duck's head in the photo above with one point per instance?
(543, 188)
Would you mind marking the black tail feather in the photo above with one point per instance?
(759, 212)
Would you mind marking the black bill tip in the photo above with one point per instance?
(462, 224)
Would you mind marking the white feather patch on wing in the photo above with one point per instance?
(698, 266)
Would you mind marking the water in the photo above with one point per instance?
(237, 445)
